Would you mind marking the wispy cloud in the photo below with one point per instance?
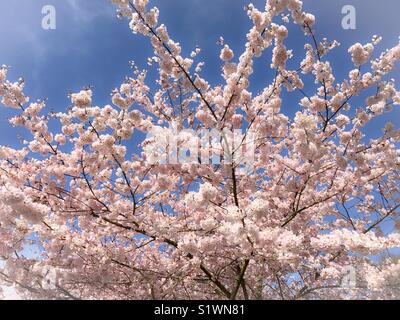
(86, 11)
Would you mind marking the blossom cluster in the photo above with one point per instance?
(114, 222)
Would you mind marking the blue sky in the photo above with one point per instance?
(92, 47)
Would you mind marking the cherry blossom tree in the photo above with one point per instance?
(113, 222)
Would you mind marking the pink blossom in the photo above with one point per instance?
(121, 214)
